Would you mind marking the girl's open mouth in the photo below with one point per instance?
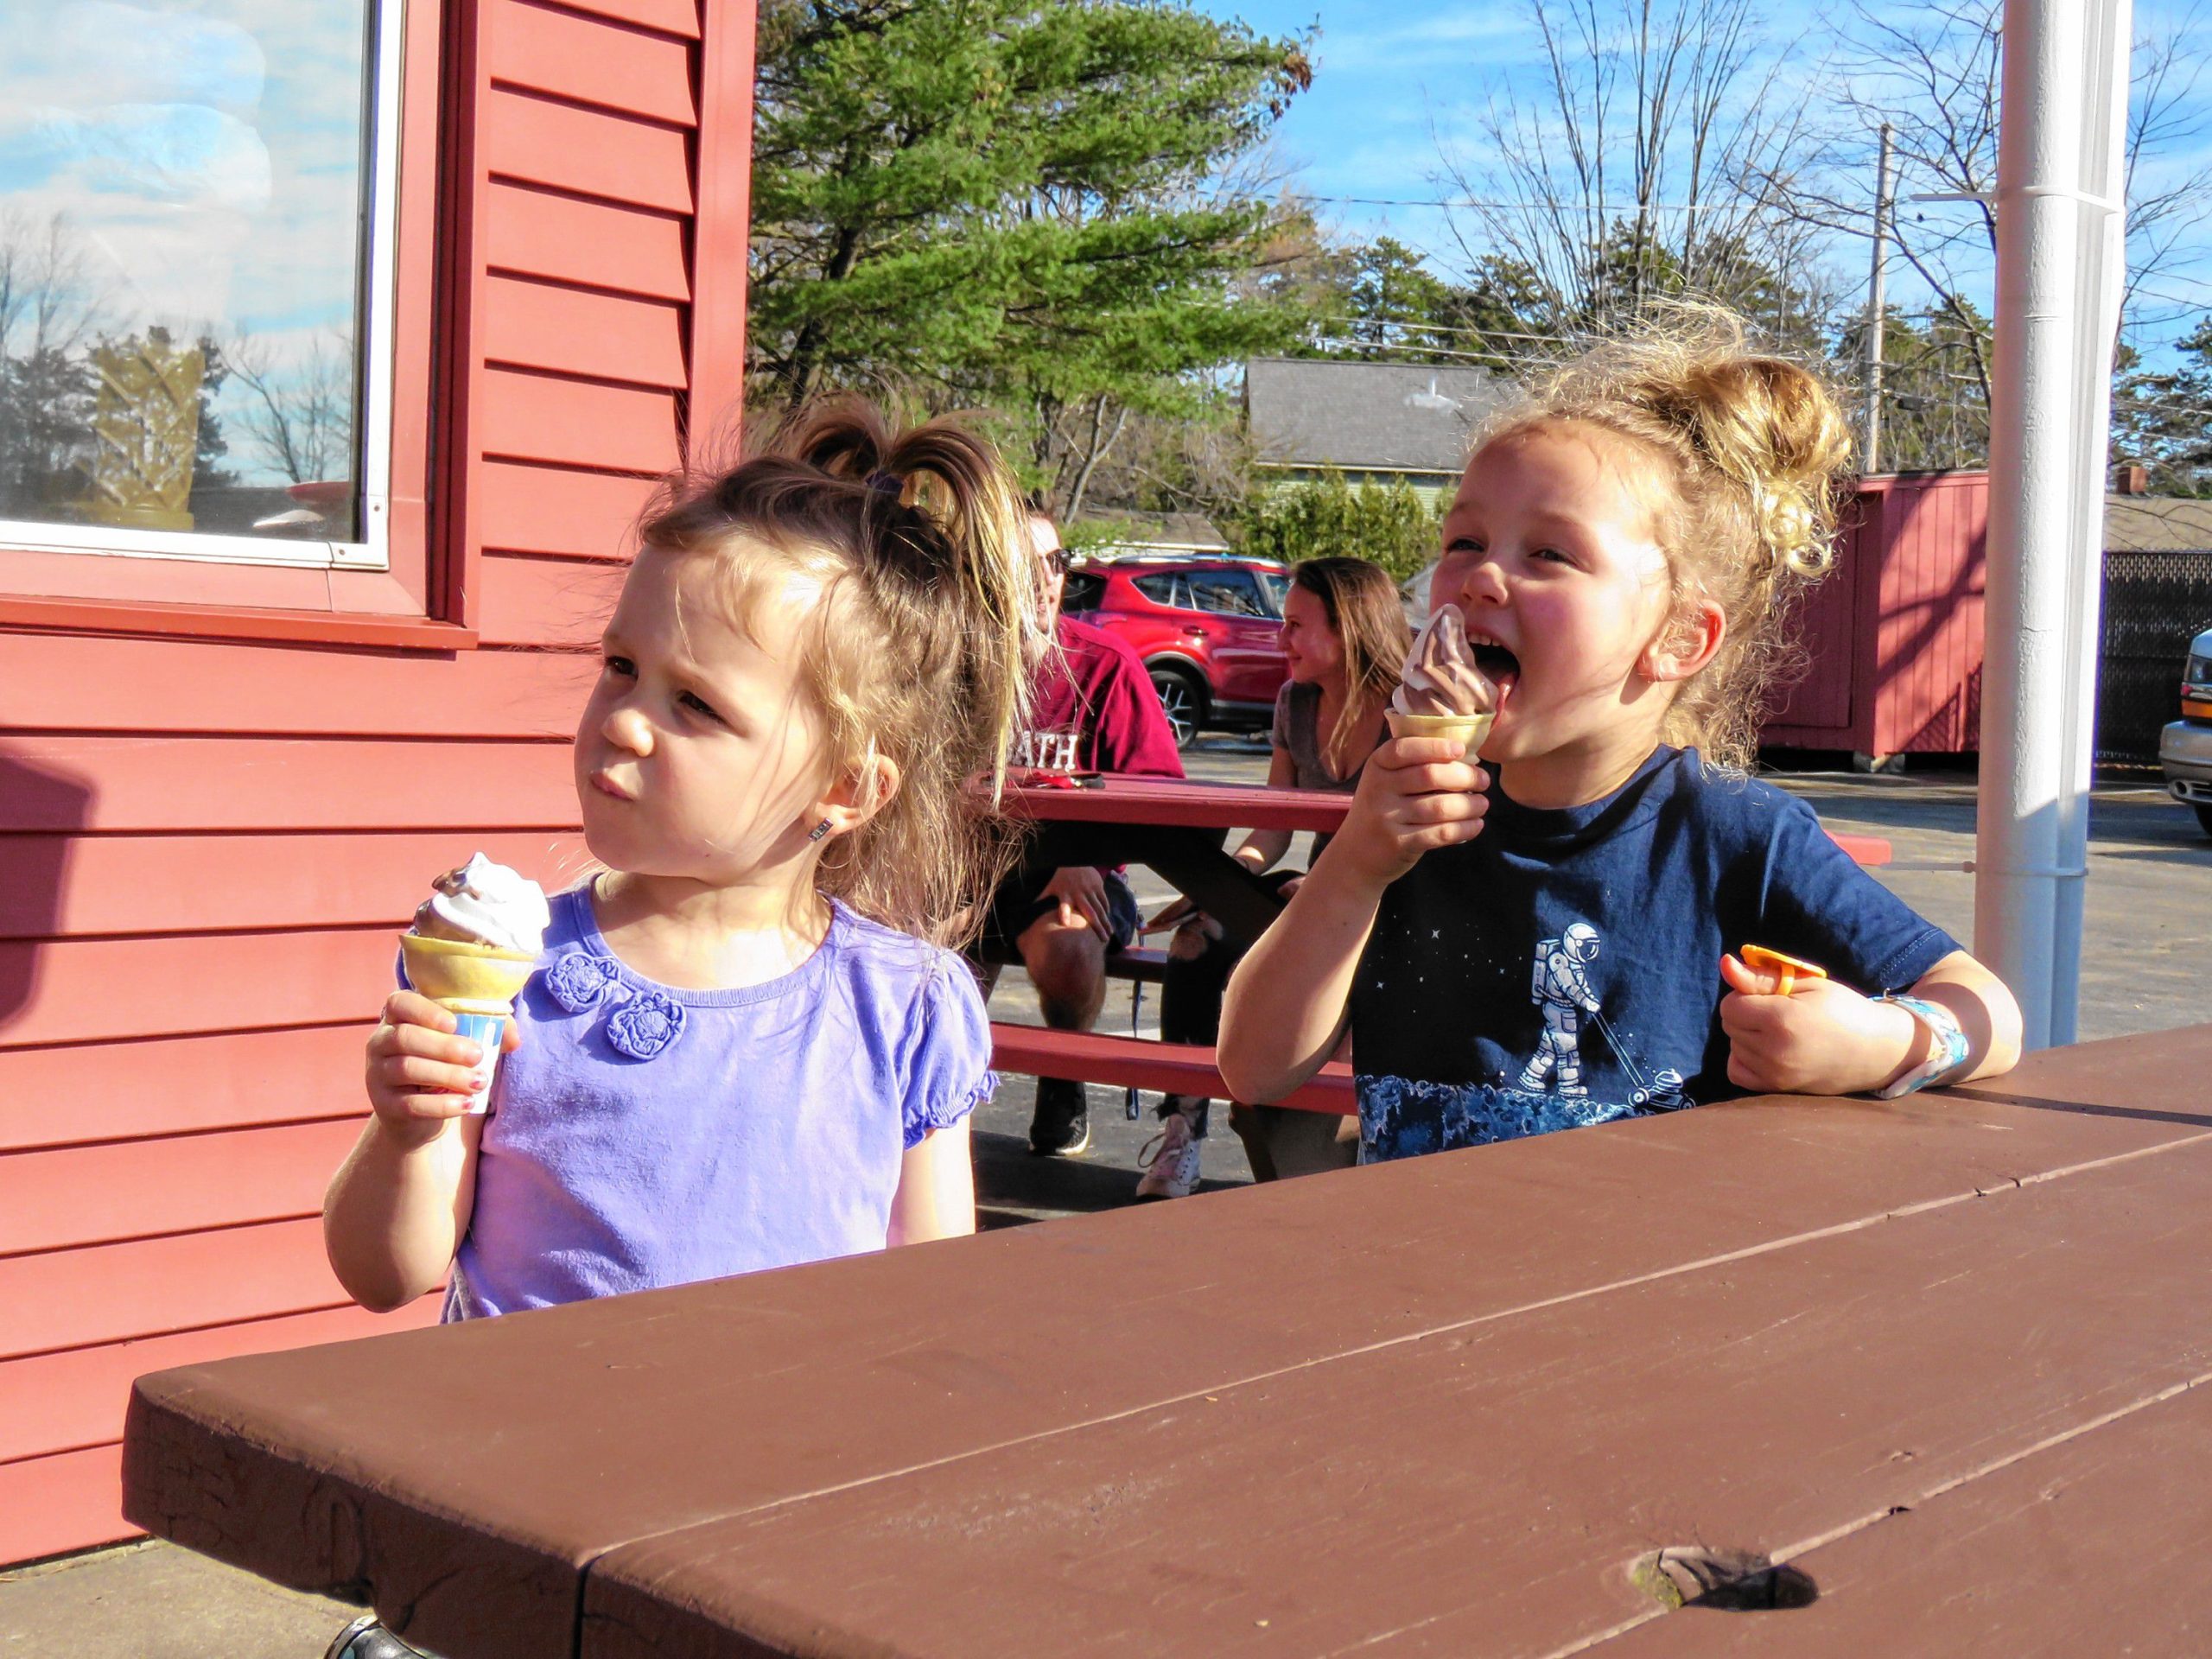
(1500, 667)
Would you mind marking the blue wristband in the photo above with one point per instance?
(1947, 1046)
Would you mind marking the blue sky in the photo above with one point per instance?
(1395, 77)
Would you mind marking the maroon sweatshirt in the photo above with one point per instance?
(1096, 686)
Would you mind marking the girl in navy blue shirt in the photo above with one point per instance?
(1554, 938)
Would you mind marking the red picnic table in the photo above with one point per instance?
(1178, 828)
(1938, 1360)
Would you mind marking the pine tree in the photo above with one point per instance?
(2165, 420)
(1017, 206)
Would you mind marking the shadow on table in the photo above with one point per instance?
(1993, 1088)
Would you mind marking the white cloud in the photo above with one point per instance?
(205, 154)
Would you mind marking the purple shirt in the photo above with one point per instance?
(646, 1136)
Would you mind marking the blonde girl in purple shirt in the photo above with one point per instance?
(747, 1042)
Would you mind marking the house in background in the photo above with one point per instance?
(296, 602)
(2158, 596)
(1376, 423)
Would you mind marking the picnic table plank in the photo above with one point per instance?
(1145, 1062)
(1177, 826)
(467, 1478)
(1185, 803)
(1129, 800)
(2092, 1546)
(1485, 1487)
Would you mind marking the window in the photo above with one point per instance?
(1166, 589)
(195, 278)
(1228, 593)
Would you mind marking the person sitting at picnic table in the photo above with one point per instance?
(1343, 638)
(1094, 710)
(1564, 943)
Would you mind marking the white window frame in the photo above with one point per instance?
(372, 549)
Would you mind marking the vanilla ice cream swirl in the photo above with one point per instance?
(489, 904)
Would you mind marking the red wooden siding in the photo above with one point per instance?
(208, 846)
(591, 243)
(1894, 634)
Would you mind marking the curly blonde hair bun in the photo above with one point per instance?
(1756, 449)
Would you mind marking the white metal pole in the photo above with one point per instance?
(2059, 225)
(1876, 311)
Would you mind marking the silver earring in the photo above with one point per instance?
(819, 830)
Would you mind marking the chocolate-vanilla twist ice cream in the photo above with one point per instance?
(1442, 691)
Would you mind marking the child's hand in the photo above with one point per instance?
(1822, 1038)
(1080, 891)
(1416, 794)
(419, 1073)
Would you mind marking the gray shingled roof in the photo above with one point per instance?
(2157, 524)
(1394, 418)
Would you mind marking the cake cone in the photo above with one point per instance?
(1467, 730)
(478, 983)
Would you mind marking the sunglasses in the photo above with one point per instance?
(1056, 560)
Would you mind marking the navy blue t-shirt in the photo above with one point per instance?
(1563, 968)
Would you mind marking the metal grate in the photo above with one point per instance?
(2154, 605)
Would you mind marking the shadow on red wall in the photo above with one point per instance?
(41, 813)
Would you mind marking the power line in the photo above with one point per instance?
(1530, 206)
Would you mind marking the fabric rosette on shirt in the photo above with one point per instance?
(641, 1024)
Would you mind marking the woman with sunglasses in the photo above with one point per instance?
(1095, 710)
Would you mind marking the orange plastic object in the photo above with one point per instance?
(1789, 970)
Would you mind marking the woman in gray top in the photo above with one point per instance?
(1344, 634)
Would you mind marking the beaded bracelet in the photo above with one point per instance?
(1947, 1046)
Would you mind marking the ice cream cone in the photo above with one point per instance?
(478, 983)
(1467, 730)
(466, 978)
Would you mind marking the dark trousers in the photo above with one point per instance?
(1280, 1141)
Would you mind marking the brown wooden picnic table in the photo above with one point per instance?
(1941, 1355)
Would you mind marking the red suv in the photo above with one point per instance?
(1208, 627)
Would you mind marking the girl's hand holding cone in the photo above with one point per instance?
(420, 1073)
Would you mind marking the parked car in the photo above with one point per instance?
(1208, 627)
(2186, 746)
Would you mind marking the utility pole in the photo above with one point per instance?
(1876, 311)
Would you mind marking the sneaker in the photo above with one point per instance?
(365, 1638)
(1060, 1127)
(1170, 1160)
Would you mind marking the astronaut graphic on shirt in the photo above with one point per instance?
(1558, 971)
(1562, 992)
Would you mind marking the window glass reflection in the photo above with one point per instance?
(180, 199)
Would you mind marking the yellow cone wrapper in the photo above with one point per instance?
(466, 978)
(1467, 730)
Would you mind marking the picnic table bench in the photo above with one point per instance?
(1939, 1359)
(1179, 829)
